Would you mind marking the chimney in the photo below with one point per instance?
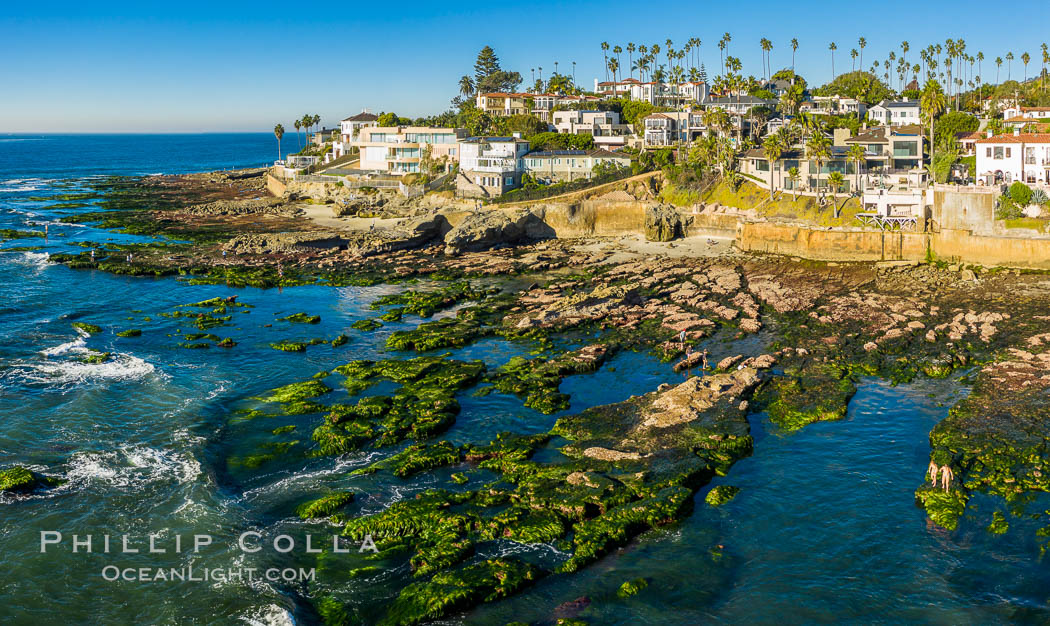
(1017, 131)
(988, 133)
(517, 135)
(840, 136)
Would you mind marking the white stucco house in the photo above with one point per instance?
(1014, 156)
(896, 113)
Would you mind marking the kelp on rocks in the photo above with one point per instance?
(632, 466)
(537, 380)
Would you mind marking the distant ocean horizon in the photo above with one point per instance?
(76, 155)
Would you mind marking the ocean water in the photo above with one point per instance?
(824, 529)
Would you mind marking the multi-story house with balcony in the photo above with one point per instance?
(604, 126)
(399, 150)
(554, 166)
(1014, 157)
(891, 150)
(900, 113)
(738, 105)
(655, 93)
(348, 130)
(490, 166)
(833, 105)
(892, 157)
(501, 104)
(539, 104)
(673, 128)
(1029, 113)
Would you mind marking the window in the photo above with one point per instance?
(988, 152)
(1008, 153)
(998, 152)
(508, 181)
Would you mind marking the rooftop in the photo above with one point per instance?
(363, 116)
(1018, 138)
(493, 140)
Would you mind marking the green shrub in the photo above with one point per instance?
(1039, 197)
(1007, 210)
(1020, 193)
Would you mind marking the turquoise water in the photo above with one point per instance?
(824, 529)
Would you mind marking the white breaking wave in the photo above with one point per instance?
(118, 367)
(37, 260)
(132, 466)
(77, 344)
(271, 615)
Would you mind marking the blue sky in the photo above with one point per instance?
(215, 66)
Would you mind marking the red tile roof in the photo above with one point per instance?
(1018, 138)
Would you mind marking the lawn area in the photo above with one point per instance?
(1035, 223)
(749, 195)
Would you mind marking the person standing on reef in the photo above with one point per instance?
(681, 339)
(45, 232)
(703, 360)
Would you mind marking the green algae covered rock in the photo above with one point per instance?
(90, 329)
(339, 341)
(415, 459)
(301, 318)
(818, 393)
(944, 508)
(289, 346)
(325, 506)
(999, 525)
(18, 479)
(298, 391)
(451, 591)
(538, 380)
(426, 303)
(721, 494)
(596, 537)
(632, 587)
(94, 358)
(366, 325)
(131, 332)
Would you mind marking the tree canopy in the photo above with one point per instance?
(863, 86)
(489, 76)
(951, 123)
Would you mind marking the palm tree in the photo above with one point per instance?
(766, 45)
(773, 148)
(298, 124)
(613, 66)
(605, 57)
(833, 47)
(721, 49)
(998, 64)
(794, 177)
(1046, 59)
(853, 55)
(794, 48)
(980, 86)
(466, 85)
(932, 105)
(630, 58)
(862, 42)
(278, 131)
(819, 150)
(1009, 63)
(1025, 59)
(835, 180)
(856, 155)
(617, 50)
